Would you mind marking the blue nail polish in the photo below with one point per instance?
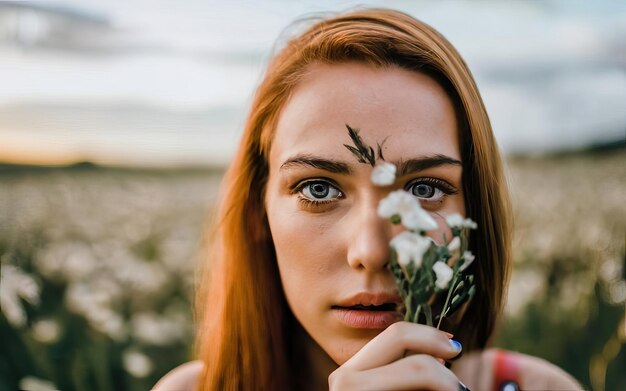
(456, 345)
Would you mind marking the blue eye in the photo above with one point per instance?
(319, 191)
(430, 189)
(423, 190)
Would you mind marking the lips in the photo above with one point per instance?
(382, 307)
(366, 299)
(368, 310)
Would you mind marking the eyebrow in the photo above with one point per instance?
(330, 165)
(404, 167)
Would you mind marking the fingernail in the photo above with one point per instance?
(448, 334)
(456, 345)
(441, 361)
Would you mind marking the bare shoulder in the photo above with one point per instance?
(539, 374)
(181, 378)
(477, 370)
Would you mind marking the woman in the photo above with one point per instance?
(299, 251)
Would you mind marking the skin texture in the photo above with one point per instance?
(329, 252)
(332, 251)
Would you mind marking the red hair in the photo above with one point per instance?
(245, 334)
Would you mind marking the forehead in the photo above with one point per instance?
(407, 110)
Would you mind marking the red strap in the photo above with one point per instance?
(506, 369)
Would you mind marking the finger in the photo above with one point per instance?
(417, 372)
(400, 337)
(441, 360)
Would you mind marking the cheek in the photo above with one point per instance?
(442, 232)
(307, 251)
(455, 204)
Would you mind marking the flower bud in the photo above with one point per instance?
(384, 174)
(444, 274)
(454, 244)
(468, 258)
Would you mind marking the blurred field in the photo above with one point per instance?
(567, 298)
(113, 252)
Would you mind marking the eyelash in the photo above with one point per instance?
(446, 188)
(438, 184)
(309, 203)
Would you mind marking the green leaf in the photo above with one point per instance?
(427, 260)
(442, 252)
(472, 291)
(380, 151)
(363, 152)
(371, 156)
(429, 314)
(355, 152)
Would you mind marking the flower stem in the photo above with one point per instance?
(408, 304)
(416, 316)
(445, 306)
(406, 275)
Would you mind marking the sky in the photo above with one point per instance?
(166, 83)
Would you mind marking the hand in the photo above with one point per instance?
(383, 363)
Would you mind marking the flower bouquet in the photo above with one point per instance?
(424, 271)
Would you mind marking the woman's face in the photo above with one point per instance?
(332, 248)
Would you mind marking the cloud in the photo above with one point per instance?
(569, 110)
(162, 81)
(552, 73)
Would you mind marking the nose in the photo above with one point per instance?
(369, 240)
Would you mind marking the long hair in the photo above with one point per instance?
(245, 325)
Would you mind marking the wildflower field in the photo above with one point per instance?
(98, 270)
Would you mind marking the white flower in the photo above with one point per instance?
(397, 202)
(14, 283)
(136, 363)
(66, 262)
(454, 244)
(93, 301)
(146, 279)
(469, 223)
(30, 383)
(410, 247)
(384, 174)
(455, 220)
(468, 258)
(150, 328)
(444, 274)
(418, 220)
(405, 205)
(108, 322)
(46, 331)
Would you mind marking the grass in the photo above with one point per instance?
(132, 237)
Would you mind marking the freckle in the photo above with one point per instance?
(323, 227)
(322, 269)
